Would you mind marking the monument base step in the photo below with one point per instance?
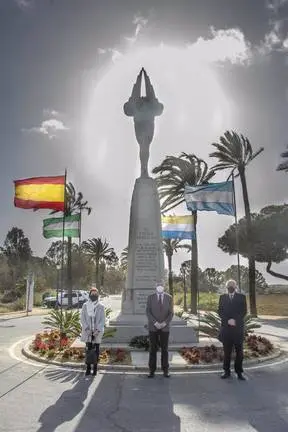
(129, 326)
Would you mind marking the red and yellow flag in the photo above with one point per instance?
(40, 193)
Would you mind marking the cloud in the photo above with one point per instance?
(50, 128)
(275, 5)
(275, 39)
(224, 45)
(24, 4)
(50, 113)
(140, 23)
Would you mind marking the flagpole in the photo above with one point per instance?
(236, 233)
(63, 239)
(80, 228)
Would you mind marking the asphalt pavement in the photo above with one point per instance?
(35, 397)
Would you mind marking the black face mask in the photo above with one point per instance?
(231, 290)
(93, 297)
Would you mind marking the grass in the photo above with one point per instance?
(267, 304)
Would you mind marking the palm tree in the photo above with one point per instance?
(283, 166)
(173, 174)
(73, 204)
(124, 258)
(235, 152)
(170, 246)
(99, 252)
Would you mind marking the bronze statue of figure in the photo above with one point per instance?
(143, 109)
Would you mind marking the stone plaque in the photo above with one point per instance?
(140, 300)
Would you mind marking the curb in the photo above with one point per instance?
(30, 355)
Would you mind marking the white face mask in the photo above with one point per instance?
(160, 289)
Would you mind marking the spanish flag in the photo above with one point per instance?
(40, 193)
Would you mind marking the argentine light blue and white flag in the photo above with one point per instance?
(178, 227)
(211, 197)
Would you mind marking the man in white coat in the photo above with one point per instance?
(92, 323)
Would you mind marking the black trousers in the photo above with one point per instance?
(228, 347)
(89, 346)
(158, 338)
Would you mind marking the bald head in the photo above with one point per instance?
(231, 286)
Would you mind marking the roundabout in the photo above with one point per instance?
(24, 353)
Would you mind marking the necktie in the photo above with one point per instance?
(160, 300)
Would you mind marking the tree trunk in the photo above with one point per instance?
(272, 273)
(251, 258)
(69, 272)
(194, 268)
(97, 281)
(170, 275)
(103, 269)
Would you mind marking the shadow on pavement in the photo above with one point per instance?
(257, 405)
(69, 404)
(62, 375)
(130, 403)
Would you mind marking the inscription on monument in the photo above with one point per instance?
(141, 300)
(146, 264)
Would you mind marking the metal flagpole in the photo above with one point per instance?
(80, 228)
(63, 247)
(236, 233)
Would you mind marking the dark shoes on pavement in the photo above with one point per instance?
(165, 374)
(240, 376)
(226, 375)
(88, 370)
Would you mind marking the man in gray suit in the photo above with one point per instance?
(159, 311)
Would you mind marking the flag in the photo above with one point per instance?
(40, 193)
(178, 227)
(211, 197)
(53, 227)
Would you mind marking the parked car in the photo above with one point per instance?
(79, 297)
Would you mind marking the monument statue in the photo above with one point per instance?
(145, 246)
(143, 109)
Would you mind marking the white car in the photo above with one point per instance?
(79, 297)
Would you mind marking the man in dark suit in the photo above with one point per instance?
(232, 310)
(159, 311)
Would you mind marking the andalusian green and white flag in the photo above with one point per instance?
(53, 227)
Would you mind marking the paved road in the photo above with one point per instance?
(47, 399)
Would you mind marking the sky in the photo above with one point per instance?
(68, 66)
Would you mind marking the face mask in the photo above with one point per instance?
(160, 289)
(93, 297)
(231, 289)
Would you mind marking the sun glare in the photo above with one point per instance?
(196, 110)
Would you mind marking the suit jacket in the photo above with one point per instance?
(236, 309)
(156, 312)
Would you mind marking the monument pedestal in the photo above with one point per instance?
(145, 268)
(128, 326)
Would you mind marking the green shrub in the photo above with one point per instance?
(67, 322)
(210, 324)
(140, 342)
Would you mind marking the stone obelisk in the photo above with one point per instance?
(145, 250)
(145, 247)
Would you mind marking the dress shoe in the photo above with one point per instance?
(241, 377)
(166, 374)
(151, 375)
(94, 371)
(88, 370)
(226, 375)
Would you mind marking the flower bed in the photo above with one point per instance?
(254, 346)
(51, 345)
